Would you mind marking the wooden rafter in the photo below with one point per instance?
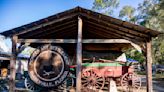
(47, 29)
(98, 34)
(48, 23)
(118, 22)
(101, 33)
(57, 30)
(114, 26)
(110, 30)
(104, 31)
(68, 33)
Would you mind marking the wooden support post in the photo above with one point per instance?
(13, 64)
(79, 56)
(149, 66)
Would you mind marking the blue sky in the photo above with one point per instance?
(14, 13)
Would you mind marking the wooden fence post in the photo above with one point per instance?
(13, 64)
(149, 66)
(79, 56)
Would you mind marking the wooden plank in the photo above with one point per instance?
(65, 33)
(105, 41)
(46, 40)
(100, 34)
(90, 34)
(48, 23)
(48, 28)
(112, 20)
(73, 41)
(105, 32)
(149, 67)
(79, 56)
(13, 65)
(116, 26)
(116, 31)
(57, 30)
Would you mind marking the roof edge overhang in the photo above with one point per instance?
(78, 11)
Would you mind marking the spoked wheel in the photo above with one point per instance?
(91, 81)
(31, 86)
(130, 82)
(67, 84)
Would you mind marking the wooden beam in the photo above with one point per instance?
(90, 34)
(114, 31)
(105, 32)
(105, 41)
(67, 34)
(13, 65)
(79, 56)
(73, 41)
(57, 30)
(101, 34)
(46, 40)
(115, 25)
(48, 28)
(47, 23)
(149, 66)
(113, 21)
(108, 33)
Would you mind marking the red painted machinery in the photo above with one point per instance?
(95, 75)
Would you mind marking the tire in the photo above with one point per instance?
(48, 66)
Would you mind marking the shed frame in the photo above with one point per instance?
(79, 25)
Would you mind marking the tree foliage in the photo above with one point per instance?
(149, 13)
(105, 6)
(127, 12)
(134, 54)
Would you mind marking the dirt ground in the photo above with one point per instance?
(158, 85)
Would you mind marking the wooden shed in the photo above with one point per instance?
(78, 29)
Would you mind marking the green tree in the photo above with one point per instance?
(127, 12)
(151, 15)
(105, 6)
(134, 54)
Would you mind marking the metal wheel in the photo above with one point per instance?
(67, 84)
(31, 86)
(92, 81)
(130, 82)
